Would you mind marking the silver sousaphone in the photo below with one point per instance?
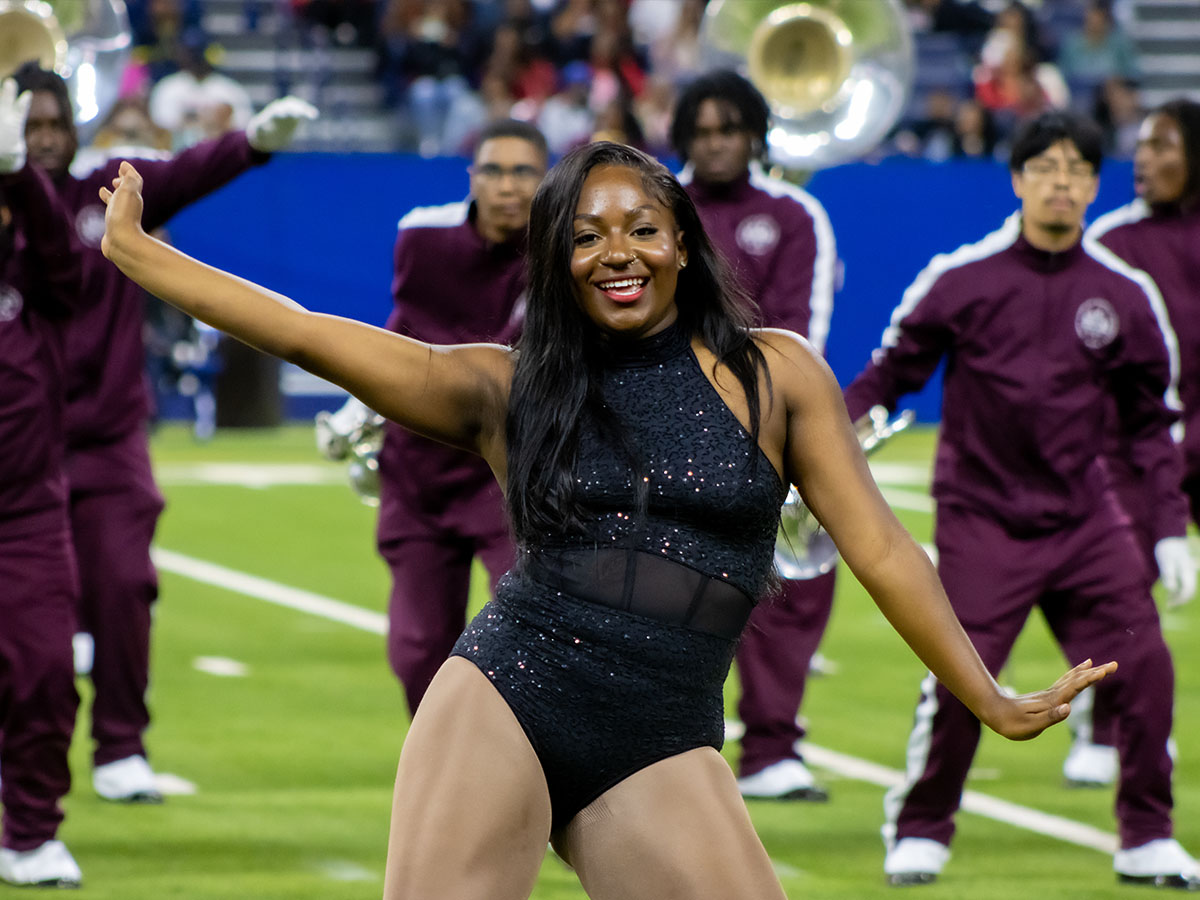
(837, 74)
(87, 42)
(803, 550)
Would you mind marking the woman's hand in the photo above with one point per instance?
(123, 218)
(1028, 715)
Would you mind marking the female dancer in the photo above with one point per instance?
(645, 435)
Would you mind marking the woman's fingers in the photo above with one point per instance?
(1031, 714)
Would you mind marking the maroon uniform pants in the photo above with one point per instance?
(773, 659)
(115, 507)
(427, 610)
(1091, 585)
(38, 701)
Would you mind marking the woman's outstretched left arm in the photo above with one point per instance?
(823, 459)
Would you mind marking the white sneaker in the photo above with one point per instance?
(788, 779)
(915, 861)
(1090, 765)
(50, 865)
(1161, 863)
(128, 780)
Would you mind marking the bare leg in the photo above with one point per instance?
(676, 829)
(471, 812)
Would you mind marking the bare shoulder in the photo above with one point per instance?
(791, 359)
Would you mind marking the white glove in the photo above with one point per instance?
(1176, 570)
(273, 127)
(335, 430)
(13, 110)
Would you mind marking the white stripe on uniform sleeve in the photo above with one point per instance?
(448, 215)
(824, 279)
(1000, 239)
(1110, 260)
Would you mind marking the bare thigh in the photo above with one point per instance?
(471, 812)
(676, 830)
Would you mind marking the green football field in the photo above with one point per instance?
(280, 722)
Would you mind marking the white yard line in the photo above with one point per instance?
(981, 804)
(271, 591)
(844, 765)
(251, 475)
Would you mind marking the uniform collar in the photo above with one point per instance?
(738, 189)
(1047, 260)
(514, 246)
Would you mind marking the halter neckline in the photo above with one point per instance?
(648, 351)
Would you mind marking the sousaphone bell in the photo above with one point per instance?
(837, 74)
(87, 42)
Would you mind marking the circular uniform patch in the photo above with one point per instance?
(1096, 323)
(10, 303)
(89, 224)
(758, 235)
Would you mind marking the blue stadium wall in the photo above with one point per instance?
(320, 227)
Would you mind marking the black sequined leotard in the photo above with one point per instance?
(612, 647)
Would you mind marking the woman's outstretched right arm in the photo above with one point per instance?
(454, 394)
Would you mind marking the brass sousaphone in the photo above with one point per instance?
(87, 42)
(837, 75)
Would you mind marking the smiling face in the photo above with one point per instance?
(1055, 188)
(1160, 164)
(627, 253)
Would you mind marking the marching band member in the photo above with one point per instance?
(1040, 329)
(115, 503)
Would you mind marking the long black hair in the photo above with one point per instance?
(1186, 114)
(561, 351)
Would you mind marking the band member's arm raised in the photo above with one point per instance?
(454, 394)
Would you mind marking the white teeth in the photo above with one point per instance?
(625, 284)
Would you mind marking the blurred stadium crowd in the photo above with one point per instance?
(582, 68)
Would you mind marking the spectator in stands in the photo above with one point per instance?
(198, 102)
(533, 24)
(617, 122)
(615, 68)
(931, 136)
(676, 55)
(426, 63)
(129, 124)
(159, 27)
(1015, 22)
(344, 21)
(654, 109)
(1012, 84)
(974, 131)
(566, 118)
(527, 72)
(1096, 53)
(1118, 110)
(966, 18)
(571, 30)
(129, 130)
